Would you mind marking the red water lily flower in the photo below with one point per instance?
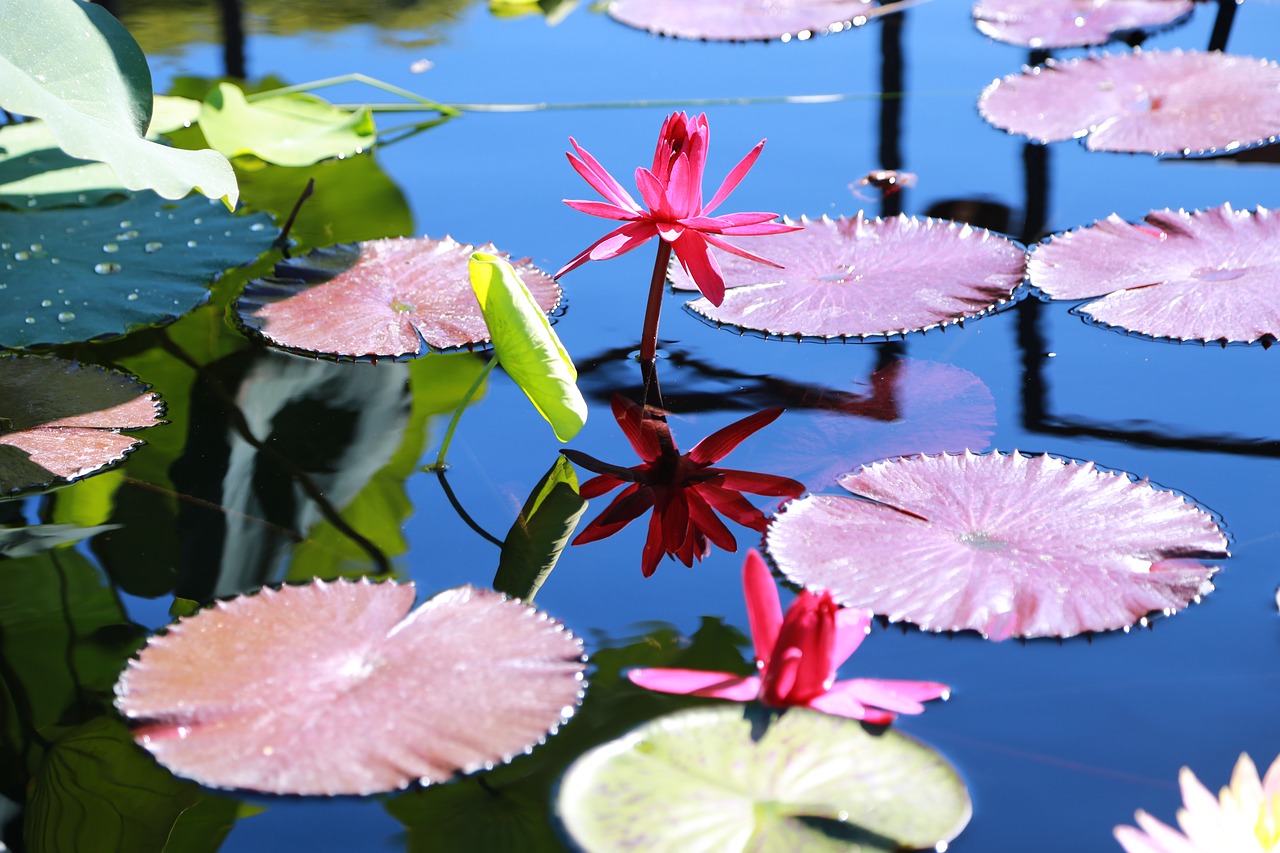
(684, 491)
(672, 189)
(797, 657)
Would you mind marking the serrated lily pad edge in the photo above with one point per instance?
(1016, 294)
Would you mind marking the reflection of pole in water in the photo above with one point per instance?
(892, 92)
(233, 38)
(1035, 219)
(1222, 24)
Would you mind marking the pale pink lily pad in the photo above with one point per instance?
(742, 20)
(60, 420)
(910, 407)
(1157, 102)
(858, 277)
(1009, 546)
(1073, 23)
(1211, 275)
(336, 688)
(380, 298)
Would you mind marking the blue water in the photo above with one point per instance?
(1058, 742)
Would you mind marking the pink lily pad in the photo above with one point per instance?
(742, 20)
(336, 688)
(1009, 546)
(864, 278)
(907, 408)
(1073, 23)
(1210, 275)
(1157, 102)
(60, 421)
(382, 298)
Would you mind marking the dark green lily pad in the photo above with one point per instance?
(95, 790)
(80, 274)
(540, 533)
(731, 778)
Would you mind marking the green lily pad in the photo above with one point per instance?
(77, 67)
(526, 346)
(96, 790)
(730, 778)
(354, 200)
(36, 173)
(540, 533)
(78, 274)
(288, 130)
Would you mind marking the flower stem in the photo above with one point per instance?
(457, 415)
(649, 337)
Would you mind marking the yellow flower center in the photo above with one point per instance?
(1265, 821)
(1268, 826)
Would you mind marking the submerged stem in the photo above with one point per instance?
(657, 285)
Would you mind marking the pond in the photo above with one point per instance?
(1057, 741)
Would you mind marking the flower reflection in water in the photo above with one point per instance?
(684, 491)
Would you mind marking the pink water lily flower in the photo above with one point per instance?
(1243, 818)
(797, 657)
(672, 190)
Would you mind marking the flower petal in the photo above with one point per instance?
(903, 697)
(742, 224)
(695, 256)
(619, 241)
(733, 506)
(844, 705)
(597, 486)
(675, 527)
(653, 550)
(642, 432)
(599, 178)
(601, 208)
(740, 252)
(622, 240)
(800, 667)
(629, 505)
(1155, 836)
(705, 520)
(764, 609)
(769, 485)
(684, 190)
(851, 630)
(721, 685)
(652, 191)
(722, 442)
(734, 177)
